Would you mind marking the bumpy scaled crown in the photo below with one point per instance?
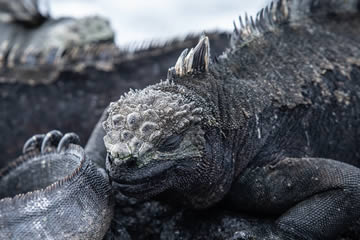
(141, 118)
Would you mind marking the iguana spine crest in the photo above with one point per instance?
(279, 12)
(197, 59)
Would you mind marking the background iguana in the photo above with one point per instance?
(36, 45)
(250, 133)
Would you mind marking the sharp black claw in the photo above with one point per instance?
(33, 143)
(51, 139)
(67, 139)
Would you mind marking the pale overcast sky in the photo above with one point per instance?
(141, 20)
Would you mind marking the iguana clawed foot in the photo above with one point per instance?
(54, 191)
(50, 141)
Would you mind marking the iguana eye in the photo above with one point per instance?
(171, 143)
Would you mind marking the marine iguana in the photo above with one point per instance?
(229, 119)
(32, 40)
(272, 127)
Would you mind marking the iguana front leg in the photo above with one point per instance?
(95, 147)
(53, 191)
(314, 198)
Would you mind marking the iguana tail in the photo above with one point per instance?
(25, 12)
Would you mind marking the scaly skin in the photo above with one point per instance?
(272, 127)
(276, 128)
(68, 199)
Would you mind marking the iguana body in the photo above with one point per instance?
(32, 40)
(261, 129)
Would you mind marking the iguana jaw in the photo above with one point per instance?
(197, 181)
(144, 182)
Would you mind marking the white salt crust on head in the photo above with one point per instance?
(140, 119)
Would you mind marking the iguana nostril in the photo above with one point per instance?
(110, 158)
(131, 162)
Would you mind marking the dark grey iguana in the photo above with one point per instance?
(272, 127)
(259, 128)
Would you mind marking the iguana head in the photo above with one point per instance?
(150, 136)
(152, 125)
(156, 140)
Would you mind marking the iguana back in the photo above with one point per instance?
(292, 78)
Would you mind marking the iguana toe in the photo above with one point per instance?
(51, 140)
(33, 143)
(67, 139)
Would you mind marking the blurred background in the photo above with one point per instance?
(139, 20)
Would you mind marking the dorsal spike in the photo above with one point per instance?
(247, 23)
(273, 12)
(201, 59)
(241, 23)
(235, 28)
(188, 61)
(280, 12)
(260, 23)
(196, 60)
(261, 15)
(271, 5)
(253, 27)
(180, 63)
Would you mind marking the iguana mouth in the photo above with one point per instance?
(141, 190)
(128, 174)
(143, 182)
(128, 160)
(121, 159)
